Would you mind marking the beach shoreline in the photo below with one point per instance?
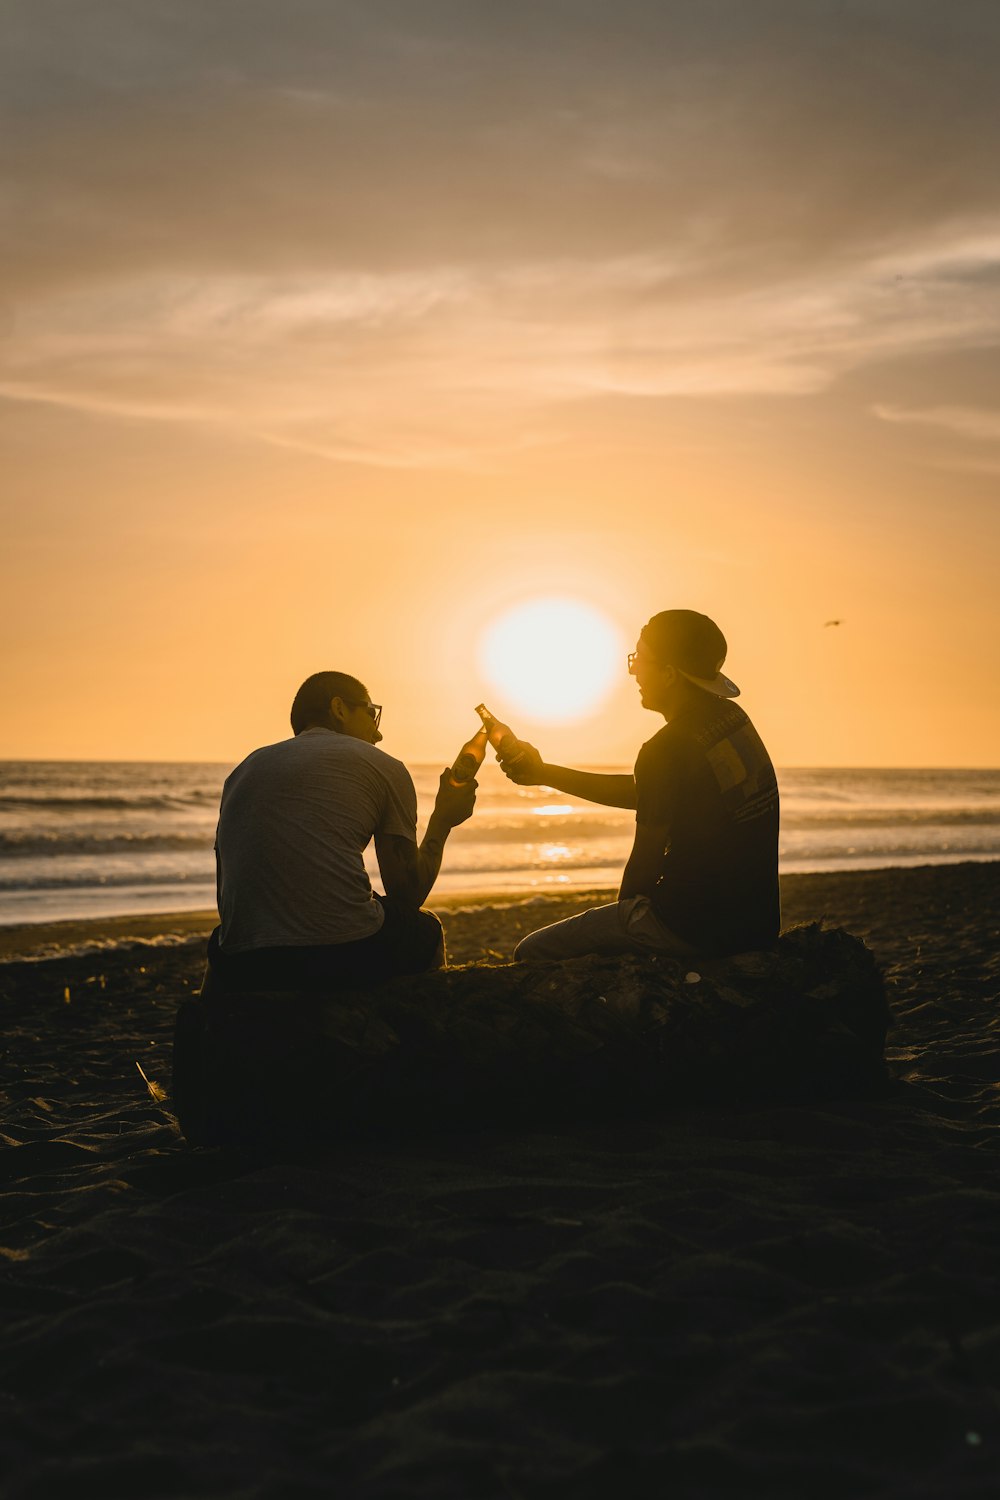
(80, 935)
(466, 914)
(745, 1299)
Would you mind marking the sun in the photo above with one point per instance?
(555, 658)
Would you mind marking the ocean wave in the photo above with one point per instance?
(895, 817)
(88, 880)
(33, 843)
(498, 846)
(84, 875)
(70, 800)
(615, 823)
(116, 837)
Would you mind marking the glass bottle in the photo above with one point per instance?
(503, 739)
(469, 758)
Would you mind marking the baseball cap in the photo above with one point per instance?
(693, 644)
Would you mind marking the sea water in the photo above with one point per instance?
(94, 839)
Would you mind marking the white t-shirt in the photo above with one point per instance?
(295, 820)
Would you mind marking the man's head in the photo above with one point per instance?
(676, 647)
(335, 700)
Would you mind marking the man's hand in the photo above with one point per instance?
(525, 766)
(409, 872)
(454, 804)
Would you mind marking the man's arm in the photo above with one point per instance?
(645, 864)
(409, 870)
(594, 786)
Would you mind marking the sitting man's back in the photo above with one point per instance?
(295, 820)
(296, 906)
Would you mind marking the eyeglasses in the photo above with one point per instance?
(374, 710)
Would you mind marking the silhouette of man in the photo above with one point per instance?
(702, 877)
(297, 908)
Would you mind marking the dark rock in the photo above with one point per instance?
(513, 1043)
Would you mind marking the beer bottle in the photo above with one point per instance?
(469, 758)
(503, 739)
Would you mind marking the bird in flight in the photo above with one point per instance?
(832, 622)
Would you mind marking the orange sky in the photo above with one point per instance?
(331, 331)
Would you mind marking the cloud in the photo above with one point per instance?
(965, 422)
(424, 234)
(265, 138)
(446, 364)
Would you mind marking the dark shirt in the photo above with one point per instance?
(708, 778)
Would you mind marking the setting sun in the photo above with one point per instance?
(556, 659)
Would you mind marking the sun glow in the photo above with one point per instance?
(556, 659)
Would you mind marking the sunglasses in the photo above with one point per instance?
(374, 710)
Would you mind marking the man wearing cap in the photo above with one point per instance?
(702, 877)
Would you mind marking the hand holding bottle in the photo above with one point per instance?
(454, 802)
(525, 768)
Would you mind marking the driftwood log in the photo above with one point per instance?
(514, 1043)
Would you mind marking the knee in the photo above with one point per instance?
(211, 985)
(531, 949)
(432, 933)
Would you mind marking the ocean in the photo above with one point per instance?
(98, 839)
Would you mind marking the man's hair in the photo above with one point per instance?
(311, 704)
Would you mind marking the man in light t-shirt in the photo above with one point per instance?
(296, 906)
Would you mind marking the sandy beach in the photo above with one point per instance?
(781, 1301)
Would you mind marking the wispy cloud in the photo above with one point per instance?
(412, 235)
(438, 364)
(965, 422)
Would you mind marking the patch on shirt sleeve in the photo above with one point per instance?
(727, 765)
(744, 774)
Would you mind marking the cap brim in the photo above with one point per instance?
(721, 686)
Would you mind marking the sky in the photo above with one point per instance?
(329, 332)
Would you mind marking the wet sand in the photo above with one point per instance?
(781, 1301)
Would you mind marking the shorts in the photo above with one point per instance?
(408, 942)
